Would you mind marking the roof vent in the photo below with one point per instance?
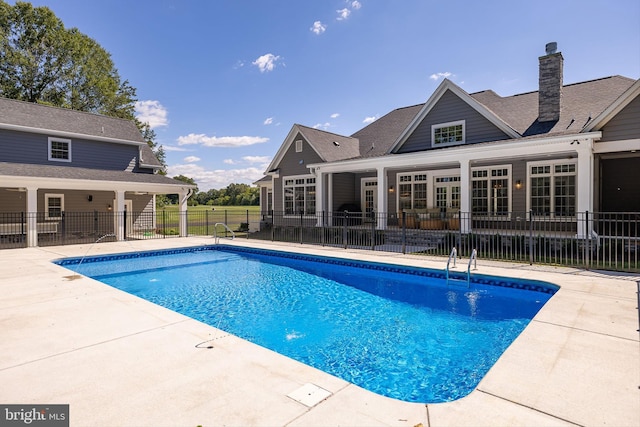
(551, 48)
(336, 143)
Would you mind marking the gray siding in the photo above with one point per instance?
(519, 197)
(625, 125)
(450, 108)
(33, 149)
(293, 163)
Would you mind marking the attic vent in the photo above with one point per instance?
(336, 143)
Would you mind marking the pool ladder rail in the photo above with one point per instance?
(473, 258)
(215, 231)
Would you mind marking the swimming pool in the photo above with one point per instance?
(398, 331)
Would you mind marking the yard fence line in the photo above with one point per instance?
(592, 240)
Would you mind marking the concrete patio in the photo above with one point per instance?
(118, 360)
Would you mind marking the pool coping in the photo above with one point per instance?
(83, 343)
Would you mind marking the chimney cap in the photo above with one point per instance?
(551, 48)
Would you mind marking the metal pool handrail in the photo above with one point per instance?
(454, 254)
(474, 258)
(215, 231)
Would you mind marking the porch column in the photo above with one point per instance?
(319, 197)
(32, 217)
(330, 198)
(584, 185)
(183, 227)
(382, 199)
(118, 210)
(465, 197)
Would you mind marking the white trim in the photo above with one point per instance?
(616, 146)
(488, 151)
(613, 109)
(363, 187)
(465, 97)
(64, 134)
(48, 196)
(305, 185)
(299, 146)
(509, 178)
(53, 139)
(552, 163)
(436, 126)
(84, 184)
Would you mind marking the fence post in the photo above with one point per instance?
(404, 232)
(247, 224)
(587, 245)
(206, 223)
(374, 220)
(225, 223)
(531, 237)
(273, 225)
(301, 225)
(344, 228)
(323, 229)
(164, 224)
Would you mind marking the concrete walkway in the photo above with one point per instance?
(118, 360)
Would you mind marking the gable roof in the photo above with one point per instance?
(614, 108)
(448, 85)
(39, 118)
(329, 146)
(377, 138)
(581, 102)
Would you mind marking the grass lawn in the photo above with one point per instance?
(202, 218)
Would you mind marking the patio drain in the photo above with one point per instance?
(309, 395)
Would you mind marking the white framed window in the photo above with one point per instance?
(491, 190)
(299, 146)
(299, 195)
(451, 133)
(269, 200)
(552, 188)
(412, 191)
(59, 149)
(54, 205)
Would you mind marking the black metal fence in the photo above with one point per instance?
(589, 240)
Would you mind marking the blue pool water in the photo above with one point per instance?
(398, 331)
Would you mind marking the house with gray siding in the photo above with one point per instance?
(58, 161)
(548, 154)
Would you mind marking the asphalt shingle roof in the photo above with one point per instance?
(38, 116)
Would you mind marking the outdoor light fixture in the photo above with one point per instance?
(109, 207)
(391, 189)
(518, 185)
(90, 198)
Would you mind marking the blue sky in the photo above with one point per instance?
(223, 81)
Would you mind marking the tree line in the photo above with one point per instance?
(232, 195)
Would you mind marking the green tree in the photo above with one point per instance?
(42, 61)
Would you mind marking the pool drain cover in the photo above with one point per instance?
(309, 395)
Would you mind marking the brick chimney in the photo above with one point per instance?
(550, 84)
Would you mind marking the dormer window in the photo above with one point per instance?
(451, 133)
(59, 150)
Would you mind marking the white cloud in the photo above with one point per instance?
(229, 162)
(323, 126)
(355, 5)
(368, 120)
(257, 159)
(437, 76)
(151, 112)
(343, 14)
(335, 115)
(191, 159)
(224, 141)
(219, 178)
(266, 62)
(268, 121)
(173, 148)
(318, 28)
